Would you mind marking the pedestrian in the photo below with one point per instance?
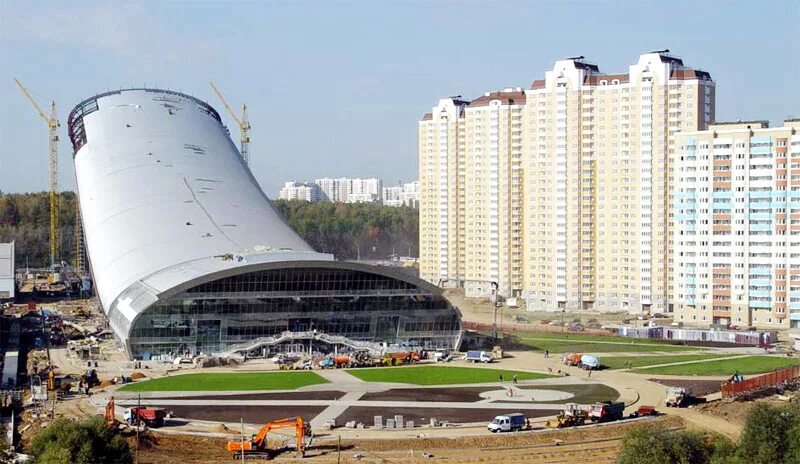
(590, 373)
(546, 354)
(501, 378)
(514, 380)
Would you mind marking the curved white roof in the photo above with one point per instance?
(165, 197)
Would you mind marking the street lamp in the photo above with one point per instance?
(495, 287)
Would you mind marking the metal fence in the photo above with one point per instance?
(788, 374)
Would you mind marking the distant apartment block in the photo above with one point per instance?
(7, 279)
(560, 193)
(737, 225)
(299, 191)
(406, 194)
(347, 190)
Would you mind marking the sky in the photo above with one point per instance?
(336, 88)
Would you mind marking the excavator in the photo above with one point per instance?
(108, 415)
(257, 448)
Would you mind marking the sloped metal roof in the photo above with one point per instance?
(165, 197)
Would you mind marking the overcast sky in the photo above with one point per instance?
(336, 88)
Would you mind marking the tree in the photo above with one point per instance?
(771, 434)
(87, 442)
(654, 445)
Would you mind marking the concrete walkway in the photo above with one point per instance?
(336, 409)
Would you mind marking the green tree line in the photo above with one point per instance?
(771, 435)
(25, 219)
(348, 231)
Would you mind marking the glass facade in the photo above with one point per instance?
(359, 305)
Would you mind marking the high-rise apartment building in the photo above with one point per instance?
(441, 197)
(598, 180)
(299, 191)
(471, 180)
(575, 187)
(737, 225)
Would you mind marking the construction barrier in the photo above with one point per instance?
(787, 374)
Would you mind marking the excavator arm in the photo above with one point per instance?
(259, 441)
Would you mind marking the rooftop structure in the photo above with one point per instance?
(188, 255)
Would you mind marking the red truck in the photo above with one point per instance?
(150, 416)
(607, 411)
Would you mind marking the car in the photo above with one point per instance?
(645, 411)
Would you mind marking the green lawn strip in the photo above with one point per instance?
(440, 375)
(233, 381)
(746, 365)
(619, 362)
(580, 345)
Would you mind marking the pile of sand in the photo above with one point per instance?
(138, 376)
(222, 428)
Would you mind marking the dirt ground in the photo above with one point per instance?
(699, 387)
(584, 393)
(445, 394)
(250, 414)
(420, 416)
(574, 446)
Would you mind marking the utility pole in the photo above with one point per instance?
(138, 422)
(495, 288)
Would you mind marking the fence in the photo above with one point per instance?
(787, 374)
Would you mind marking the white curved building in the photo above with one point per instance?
(188, 255)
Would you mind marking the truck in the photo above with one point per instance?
(478, 356)
(151, 417)
(607, 411)
(677, 397)
(572, 359)
(511, 422)
(590, 362)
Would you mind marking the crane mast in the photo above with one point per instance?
(242, 121)
(52, 128)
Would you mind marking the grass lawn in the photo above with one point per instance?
(228, 382)
(746, 365)
(561, 343)
(640, 361)
(440, 375)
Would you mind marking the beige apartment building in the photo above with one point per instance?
(737, 225)
(596, 162)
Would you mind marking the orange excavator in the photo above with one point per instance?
(256, 448)
(108, 415)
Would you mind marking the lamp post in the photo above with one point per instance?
(495, 287)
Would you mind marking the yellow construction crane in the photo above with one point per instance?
(244, 125)
(52, 127)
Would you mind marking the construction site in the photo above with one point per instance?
(203, 329)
